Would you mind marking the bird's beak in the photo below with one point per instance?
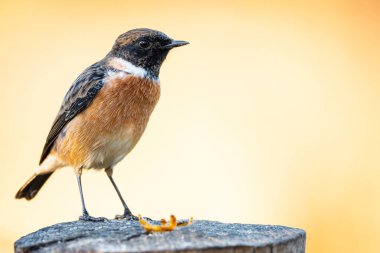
(175, 43)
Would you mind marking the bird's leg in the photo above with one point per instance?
(85, 216)
(127, 213)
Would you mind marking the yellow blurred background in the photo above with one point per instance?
(270, 116)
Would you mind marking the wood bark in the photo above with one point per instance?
(129, 236)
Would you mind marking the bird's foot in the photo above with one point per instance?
(87, 217)
(126, 217)
(129, 216)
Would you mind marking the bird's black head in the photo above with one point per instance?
(144, 48)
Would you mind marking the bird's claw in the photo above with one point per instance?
(91, 218)
(126, 217)
(129, 216)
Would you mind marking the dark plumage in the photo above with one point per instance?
(79, 96)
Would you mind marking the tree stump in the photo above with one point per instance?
(129, 236)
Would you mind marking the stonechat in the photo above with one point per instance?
(105, 112)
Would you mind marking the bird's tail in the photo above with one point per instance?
(30, 189)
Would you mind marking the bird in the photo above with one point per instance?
(105, 112)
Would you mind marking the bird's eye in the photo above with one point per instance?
(144, 44)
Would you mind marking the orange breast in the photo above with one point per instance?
(110, 127)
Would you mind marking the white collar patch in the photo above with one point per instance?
(128, 67)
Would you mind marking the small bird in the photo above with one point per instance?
(105, 112)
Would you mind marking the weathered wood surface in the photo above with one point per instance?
(129, 236)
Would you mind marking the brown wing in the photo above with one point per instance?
(78, 98)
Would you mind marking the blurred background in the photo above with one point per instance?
(270, 116)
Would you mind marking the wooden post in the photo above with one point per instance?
(129, 236)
